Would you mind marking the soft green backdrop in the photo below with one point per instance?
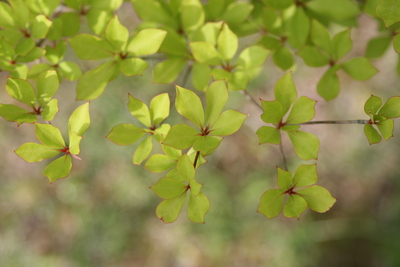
(103, 214)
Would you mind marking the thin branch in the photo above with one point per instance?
(332, 122)
(251, 99)
(282, 153)
(186, 75)
(196, 159)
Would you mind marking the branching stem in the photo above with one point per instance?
(282, 153)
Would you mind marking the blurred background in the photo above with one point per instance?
(103, 214)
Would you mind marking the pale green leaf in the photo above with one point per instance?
(159, 108)
(198, 206)
(372, 105)
(271, 203)
(21, 90)
(189, 105)
(217, 95)
(318, 198)
(159, 163)
(181, 136)
(185, 168)
(206, 53)
(47, 86)
(15, 113)
(272, 111)
(284, 179)
(32, 152)
(168, 188)
(227, 43)
(206, 143)
(228, 123)
(49, 135)
(268, 134)
(391, 109)
(167, 71)
(125, 134)
(117, 34)
(337, 10)
(139, 110)
(133, 66)
(359, 68)
(143, 150)
(146, 42)
(389, 11)
(305, 175)
(252, 57)
(169, 209)
(59, 168)
(294, 206)
(200, 76)
(303, 110)
(79, 120)
(306, 145)
(40, 27)
(285, 92)
(385, 127)
(329, 86)
(372, 134)
(342, 44)
(91, 47)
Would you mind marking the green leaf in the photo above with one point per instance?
(91, 47)
(169, 209)
(37, 69)
(24, 46)
(268, 134)
(237, 13)
(161, 132)
(228, 123)
(217, 95)
(185, 168)
(139, 110)
(181, 136)
(377, 46)
(32, 152)
(359, 68)
(168, 188)
(306, 145)
(284, 179)
(318, 198)
(79, 120)
(54, 54)
(125, 134)
(329, 86)
(92, 84)
(168, 70)
(372, 134)
(252, 56)
(342, 44)
(143, 150)
(272, 111)
(200, 76)
(312, 56)
(305, 175)
(195, 187)
(389, 11)
(385, 127)
(294, 206)
(283, 58)
(74, 143)
(337, 10)
(146, 42)
(7, 20)
(15, 113)
(391, 109)
(59, 168)
(271, 203)
(21, 90)
(227, 43)
(172, 152)
(279, 4)
(70, 70)
(152, 10)
(40, 27)
(159, 163)
(285, 92)
(302, 110)
(299, 28)
(188, 104)
(49, 135)
(159, 108)
(206, 143)
(192, 15)
(47, 86)
(98, 19)
(132, 66)
(117, 34)
(198, 206)
(205, 52)
(372, 105)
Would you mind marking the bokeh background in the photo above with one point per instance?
(103, 214)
